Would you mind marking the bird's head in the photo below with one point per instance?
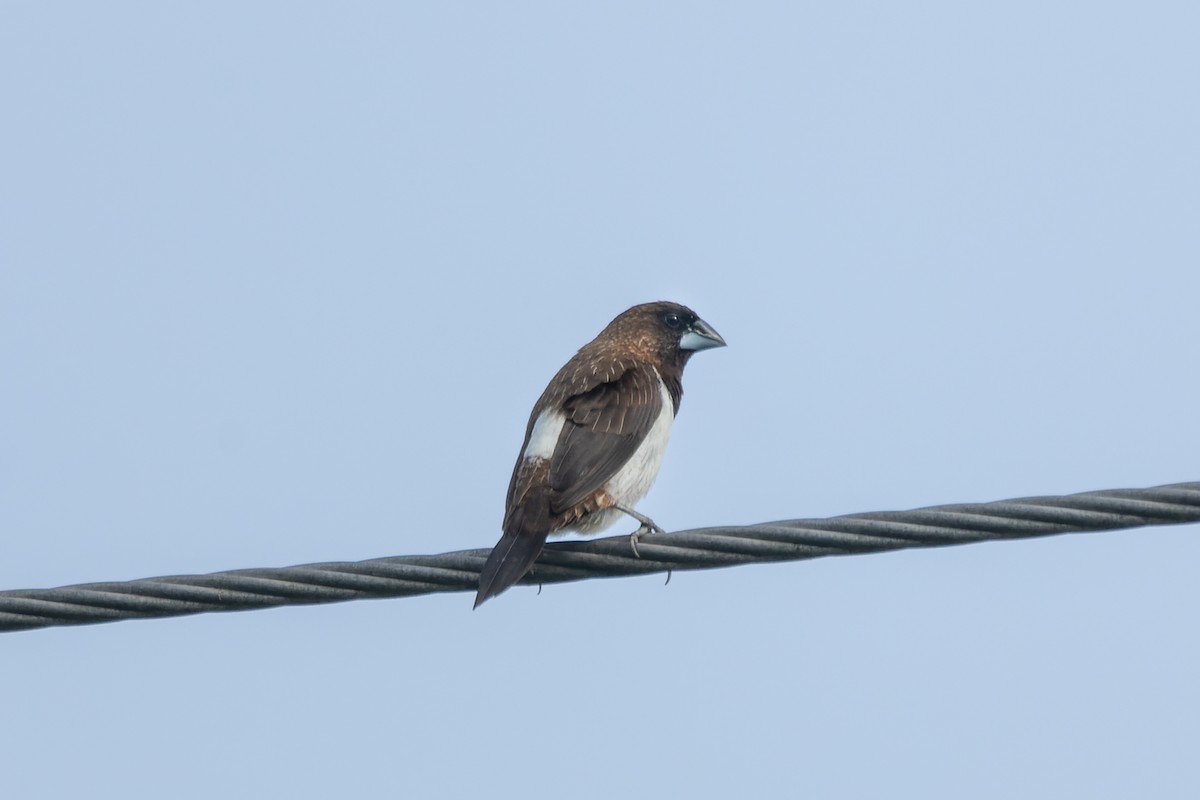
(664, 332)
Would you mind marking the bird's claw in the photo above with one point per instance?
(643, 529)
(647, 526)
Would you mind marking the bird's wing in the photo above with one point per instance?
(604, 427)
(606, 419)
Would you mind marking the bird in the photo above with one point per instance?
(596, 437)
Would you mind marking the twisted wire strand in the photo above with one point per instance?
(701, 548)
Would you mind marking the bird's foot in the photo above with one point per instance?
(647, 526)
(639, 533)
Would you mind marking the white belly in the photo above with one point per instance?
(635, 478)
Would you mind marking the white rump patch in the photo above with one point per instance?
(544, 436)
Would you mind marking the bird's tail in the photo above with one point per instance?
(525, 532)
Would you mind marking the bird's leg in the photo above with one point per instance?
(648, 526)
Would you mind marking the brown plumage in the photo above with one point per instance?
(596, 436)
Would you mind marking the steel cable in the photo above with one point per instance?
(702, 548)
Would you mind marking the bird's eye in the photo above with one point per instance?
(673, 321)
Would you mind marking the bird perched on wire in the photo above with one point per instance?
(596, 436)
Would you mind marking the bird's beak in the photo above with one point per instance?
(700, 336)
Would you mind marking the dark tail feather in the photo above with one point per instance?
(524, 536)
(507, 564)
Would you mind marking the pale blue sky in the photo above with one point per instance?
(282, 281)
